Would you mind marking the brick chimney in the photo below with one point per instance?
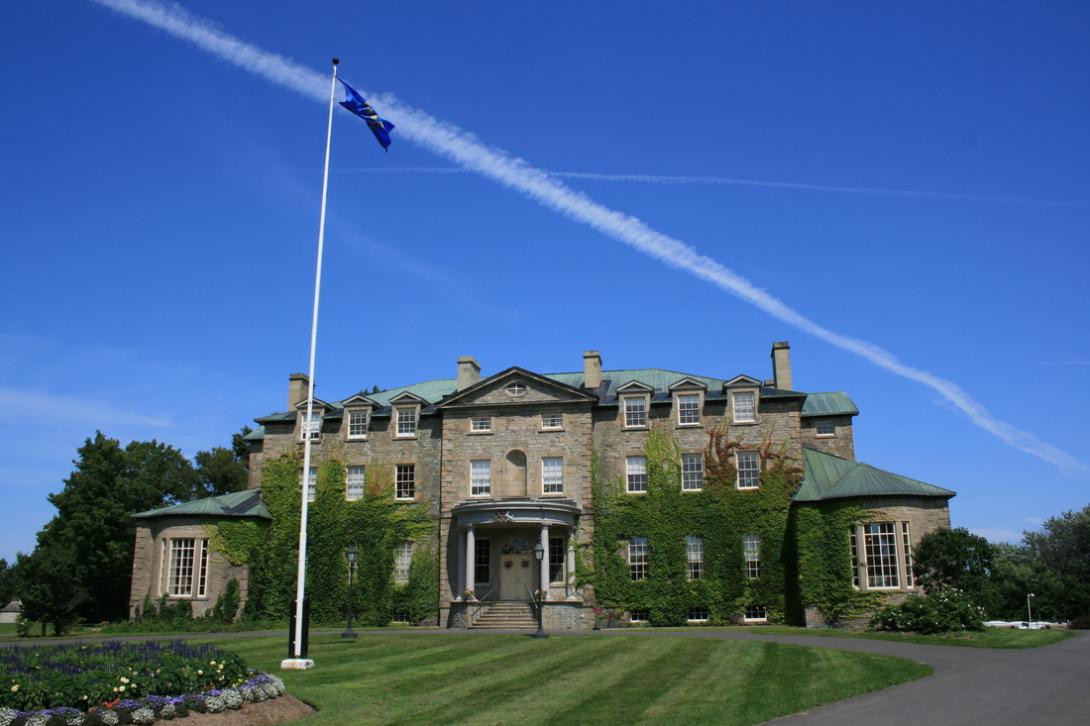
(592, 369)
(297, 388)
(469, 371)
(781, 365)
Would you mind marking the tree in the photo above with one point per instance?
(222, 471)
(7, 582)
(49, 586)
(92, 532)
(953, 558)
(1064, 549)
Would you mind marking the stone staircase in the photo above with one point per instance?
(506, 615)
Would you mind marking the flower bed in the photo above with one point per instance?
(123, 683)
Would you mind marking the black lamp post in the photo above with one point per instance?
(349, 633)
(539, 555)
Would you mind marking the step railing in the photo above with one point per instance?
(475, 611)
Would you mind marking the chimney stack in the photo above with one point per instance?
(469, 371)
(298, 383)
(592, 369)
(781, 365)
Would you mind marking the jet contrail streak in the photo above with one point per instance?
(737, 181)
(463, 148)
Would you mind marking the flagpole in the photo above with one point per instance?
(299, 660)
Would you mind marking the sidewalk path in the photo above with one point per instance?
(1046, 685)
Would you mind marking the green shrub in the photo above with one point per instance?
(226, 607)
(939, 612)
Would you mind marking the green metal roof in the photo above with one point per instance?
(830, 477)
(256, 435)
(236, 504)
(834, 403)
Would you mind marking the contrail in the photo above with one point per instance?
(742, 182)
(461, 147)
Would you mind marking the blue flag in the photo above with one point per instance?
(356, 103)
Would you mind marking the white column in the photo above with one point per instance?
(570, 591)
(545, 562)
(470, 561)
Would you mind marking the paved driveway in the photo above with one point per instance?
(1048, 685)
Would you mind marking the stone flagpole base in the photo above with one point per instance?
(296, 664)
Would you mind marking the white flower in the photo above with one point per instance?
(121, 688)
(124, 679)
(15, 688)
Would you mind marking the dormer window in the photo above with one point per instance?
(314, 430)
(688, 409)
(516, 389)
(357, 423)
(406, 421)
(744, 406)
(635, 411)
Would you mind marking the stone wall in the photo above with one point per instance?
(841, 444)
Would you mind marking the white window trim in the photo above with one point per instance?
(865, 560)
(699, 409)
(703, 473)
(398, 578)
(734, 409)
(347, 475)
(704, 619)
(480, 495)
(347, 423)
(318, 412)
(562, 477)
(747, 619)
(416, 421)
(542, 427)
(646, 397)
(817, 430)
(400, 498)
(738, 471)
(476, 431)
(202, 558)
(312, 478)
(629, 490)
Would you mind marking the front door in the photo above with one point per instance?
(516, 576)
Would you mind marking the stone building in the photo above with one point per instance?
(505, 463)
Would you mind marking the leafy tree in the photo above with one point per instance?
(1015, 572)
(1063, 547)
(93, 529)
(49, 585)
(7, 582)
(239, 446)
(953, 558)
(219, 471)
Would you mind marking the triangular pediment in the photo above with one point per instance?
(689, 384)
(359, 401)
(742, 381)
(405, 397)
(635, 387)
(512, 387)
(318, 403)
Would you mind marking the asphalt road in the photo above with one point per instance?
(1047, 685)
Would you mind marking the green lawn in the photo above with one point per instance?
(989, 638)
(563, 680)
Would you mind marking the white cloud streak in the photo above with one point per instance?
(18, 406)
(738, 181)
(464, 149)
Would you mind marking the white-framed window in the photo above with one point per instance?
(635, 470)
(744, 406)
(357, 423)
(515, 389)
(638, 549)
(692, 472)
(552, 475)
(403, 560)
(354, 482)
(635, 411)
(826, 427)
(695, 552)
(552, 421)
(698, 615)
(880, 553)
(401, 618)
(182, 567)
(480, 477)
(556, 559)
(312, 484)
(906, 545)
(639, 616)
(749, 469)
(406, 421)
(478, 424)
(688, 409)
(482, 561)
(853, 542)
(751, 553)
(315, 427)
(202, 573)
(405, 481)
(755, 614)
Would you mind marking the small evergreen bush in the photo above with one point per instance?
(949, 610)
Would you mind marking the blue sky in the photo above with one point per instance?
(160, 210)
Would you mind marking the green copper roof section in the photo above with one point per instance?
(835, 403)
(236, 504)
(658, 378)
(830, 477)
(256, 435)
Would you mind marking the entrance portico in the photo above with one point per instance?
(494, 549)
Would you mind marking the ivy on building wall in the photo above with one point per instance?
(376, 524)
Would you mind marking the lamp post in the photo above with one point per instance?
(1029, 608)
(352, 551)
(539, 554)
